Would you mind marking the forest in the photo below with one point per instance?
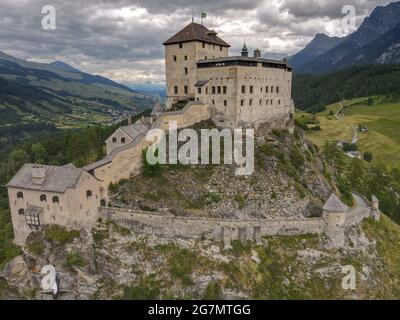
(313, 92)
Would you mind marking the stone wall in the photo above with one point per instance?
(226, 230)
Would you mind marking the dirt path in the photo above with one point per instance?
(340, 117)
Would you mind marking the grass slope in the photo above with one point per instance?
(382, 120)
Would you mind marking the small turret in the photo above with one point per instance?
(157, 110)
(375, 212)
(257, 53)
(245, 52)
(334, 214)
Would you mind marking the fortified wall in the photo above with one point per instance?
(168, 226)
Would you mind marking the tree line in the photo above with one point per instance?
(313, 92)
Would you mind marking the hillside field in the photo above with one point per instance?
(382, 120)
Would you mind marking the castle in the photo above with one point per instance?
(234, 92)
(241, 91)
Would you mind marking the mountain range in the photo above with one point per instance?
(376, 41)
(47, 92)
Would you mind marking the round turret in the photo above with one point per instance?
(334, 214)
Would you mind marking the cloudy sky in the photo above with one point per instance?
(122, 39)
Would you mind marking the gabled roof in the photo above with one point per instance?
(135, 129)
(335, 205)
(58, 178)
(196, 32)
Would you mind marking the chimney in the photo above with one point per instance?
(38, 174)
(257, 53)
(212, 34)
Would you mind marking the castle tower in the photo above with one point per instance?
(245, 52)
(257, 53)
(334, 214)
(182, 52)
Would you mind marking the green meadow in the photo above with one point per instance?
(382, 119)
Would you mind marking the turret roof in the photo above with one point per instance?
(335, 205)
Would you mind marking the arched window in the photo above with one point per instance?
(88, 193)
(56, 199)
(103, 203)
(21, 211)
(122, 140)
(20, 195)
(43, 197)
(114, 139)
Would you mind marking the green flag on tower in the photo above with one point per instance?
(204, 15)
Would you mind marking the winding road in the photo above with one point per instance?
(339, 116)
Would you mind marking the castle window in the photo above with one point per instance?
(266, 89)
(272, 101)
(279, 101)
(114, 139)
(219, 90)
(186, 70)
(250, 102)
(185, 57)
(206, 90)
(123, 140)
(220, 48)
(32, 218)
(243, 89)
(260, 102)
(224, 89)
(213, 90)
(176, 90)
(204, 45)
(205, 58)
(225, 103)
(277, 89)
(251, 89)
(21, 212)
(186, 89)
(174, 58)
(272, 89)
(267, 102)
(102, 202)
(89, 193)
(199, 90)
(242, 103)
(261, 89)
(43, 197)
(213, 102)
(20, 195)
(180, 46)
(56, 199)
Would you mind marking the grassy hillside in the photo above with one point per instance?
(381, 118)
(37, 98)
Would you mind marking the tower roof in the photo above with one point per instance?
(157, 109)
(335, 205)
(196, 32)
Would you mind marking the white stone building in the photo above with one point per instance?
(63, 195)
(241, 91)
